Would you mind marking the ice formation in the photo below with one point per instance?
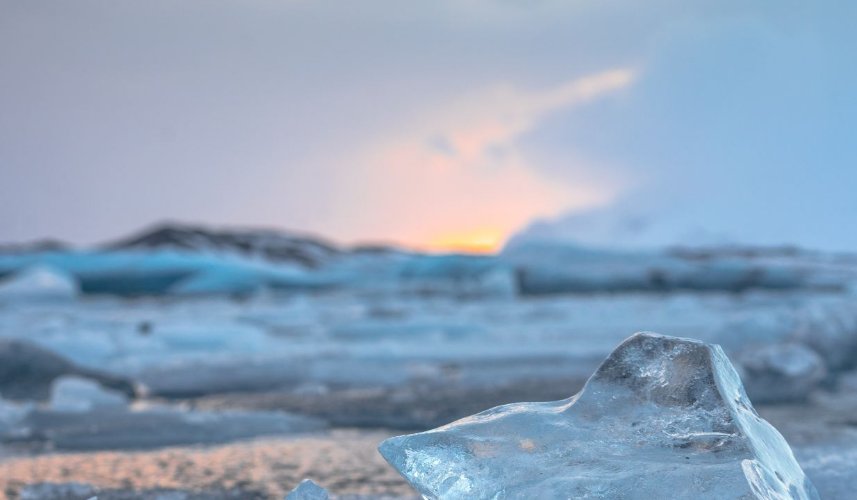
(548, 267)
(27, 372)
(781, 372)
(183, 260)
(11, 416)
(662, 417)
(308, 490)
(71, 393)
(38, 283)
(116, 428)
(831, 330)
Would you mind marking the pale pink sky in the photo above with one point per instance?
(445, 124)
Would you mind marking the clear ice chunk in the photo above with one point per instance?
(662, 417)
(308, 490)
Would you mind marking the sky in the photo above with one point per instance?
(437, 125)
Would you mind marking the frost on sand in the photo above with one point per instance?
(662, 417)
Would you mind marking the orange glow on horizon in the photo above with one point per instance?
(483, 240)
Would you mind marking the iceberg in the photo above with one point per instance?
(783, 372)
(158, 272)
(70, 393)
(457, 274)
(548, 267)
(662, 417)
(830, 329)
(39, 283)
(27, 372)
(11, 416)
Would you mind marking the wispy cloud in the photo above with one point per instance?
(458, 176)
(378, 120)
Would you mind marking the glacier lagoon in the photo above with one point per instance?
(374, 343)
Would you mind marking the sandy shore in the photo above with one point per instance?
(344, 461)
(822, 434)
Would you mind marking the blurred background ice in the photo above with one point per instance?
(509, 189)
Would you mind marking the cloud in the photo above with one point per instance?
(736, 133)
(456, 177)
(492, 119)
(389, 120)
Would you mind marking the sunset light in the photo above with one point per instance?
(245, 245)
(487, 240)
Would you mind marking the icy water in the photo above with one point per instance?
(252, 395)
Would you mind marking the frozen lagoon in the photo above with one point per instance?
(345, 360)
(301, 365)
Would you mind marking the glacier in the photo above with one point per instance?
(201, 325)
(662, 417)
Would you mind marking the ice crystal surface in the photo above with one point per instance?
(662, 417)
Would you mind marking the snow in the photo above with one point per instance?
(662, 417)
